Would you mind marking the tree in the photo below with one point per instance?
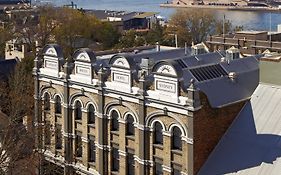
(155, 34)
(75, 29)
(190, 26)
(226, 28)
(5, 35)
(130, 38)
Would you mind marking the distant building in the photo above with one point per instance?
(17, 49)
(248, 42)
(154, 112)
(123, 20)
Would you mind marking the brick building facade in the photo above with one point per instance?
(137, 113)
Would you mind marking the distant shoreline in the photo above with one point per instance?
(238, 8)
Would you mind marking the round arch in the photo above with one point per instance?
(157, 120)
(116, 110)
(117, 103)
(150, 119)
(75, 101)
(136, 119)
(171, 127)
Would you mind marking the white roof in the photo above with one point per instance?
(252, 145)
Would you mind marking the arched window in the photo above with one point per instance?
(176, 138)
(46, 101)
(78, 111)
(91, 115)
(130, 129)
(158, 134)
(114, 120)
(58, 105)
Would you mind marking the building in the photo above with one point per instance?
(255, 135)
(157, 112)
(248, 42)
(123, 20)
(17, 49)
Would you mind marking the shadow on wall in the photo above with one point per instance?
(242, 148)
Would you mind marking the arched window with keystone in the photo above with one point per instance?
(91, 114)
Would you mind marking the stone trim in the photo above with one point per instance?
(84, 139)
(68, 135)
(187, 140)
(142, 161)
(167, 168)
(122, 153)
(183, 173)
(103, 147)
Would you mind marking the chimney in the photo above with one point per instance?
(232, 53)
(157, 47)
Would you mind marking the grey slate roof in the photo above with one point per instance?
(252, 145)
(221, 90)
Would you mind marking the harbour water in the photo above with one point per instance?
(250, 20)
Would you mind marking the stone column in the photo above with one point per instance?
(122, 146)
(67, 118)
(143, 142)
(85, 140)
(101, 127)
(166, 153)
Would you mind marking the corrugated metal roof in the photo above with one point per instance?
(252, 145)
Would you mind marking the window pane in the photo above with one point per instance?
(78, 141)
(158, 169)
(47, 133)
(115, 159)
(58, 137)
(176, 172)
(78, 111)
(115, 124)
(130, 164)
(130, 125)
(91, 114)
(158, 135)
(177, 138)
(58, 105)
(92, 151)
(47, 102)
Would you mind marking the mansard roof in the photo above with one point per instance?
(84, 55)
(224, 82)
(53, 50)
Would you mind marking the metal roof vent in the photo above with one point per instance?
(200, 48)
(232, 75)
(232, 53)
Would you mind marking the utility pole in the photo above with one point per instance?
(223, 27)
(176, 40)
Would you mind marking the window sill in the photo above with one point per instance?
(58, 114)
(114, 172)
(159, 146)
(130, 137)
(177, 151)
(91, 125)
(78, 121)
(47, 111)
(115, 132)
(92, 164)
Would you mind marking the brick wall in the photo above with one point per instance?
(209, 126)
